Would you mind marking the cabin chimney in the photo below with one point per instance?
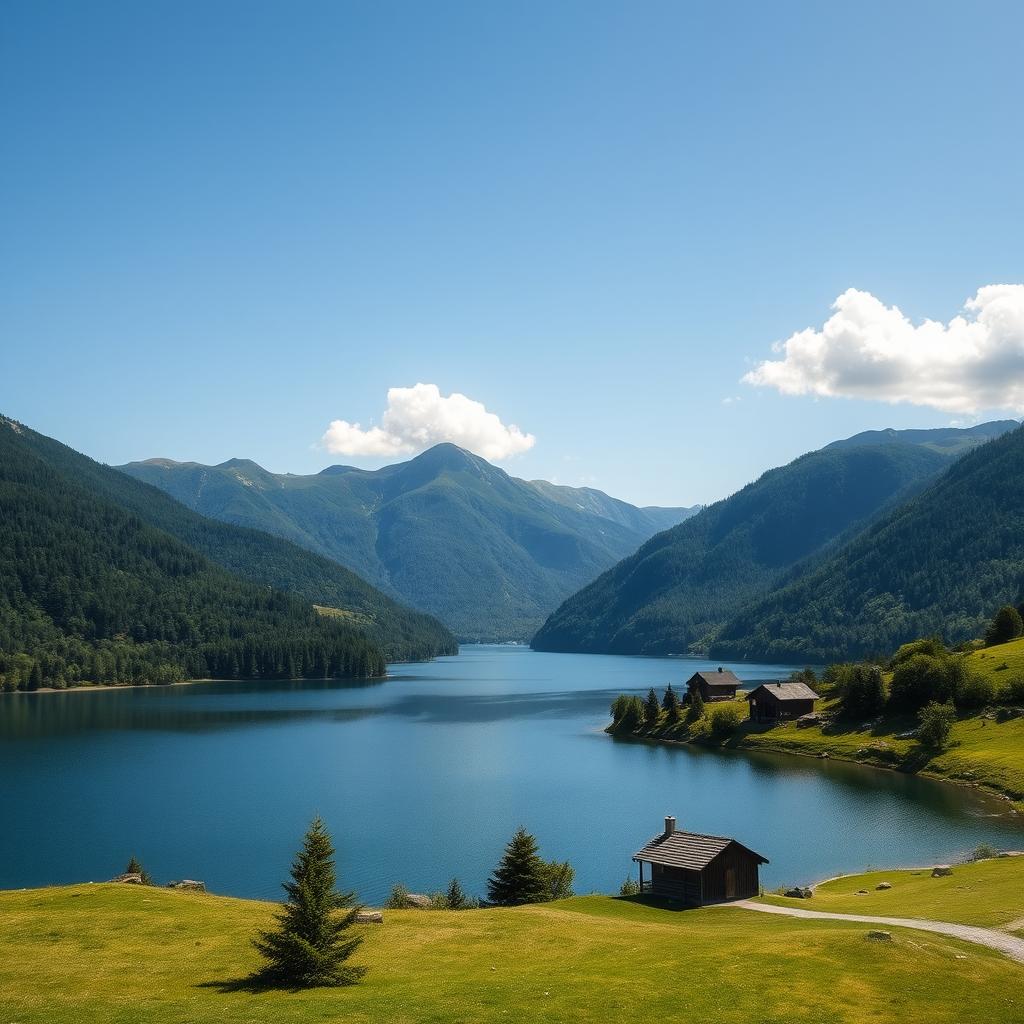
(670, 825)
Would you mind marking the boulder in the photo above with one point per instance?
(188, 885)
(941, 870)
(884, 885)
(129, 879)
(879, 936)
(799, 892)
(861, 892)
(369, 917)
(419, 901)
(805, 721)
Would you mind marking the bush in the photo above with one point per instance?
(630, 887)
(628, 713)
(930, 645)
(398, 898)
(1006, 625)
(861, 690)
(936, 724)
(1013, 690)
(558, 879)
(973, 690)
(922, 678)
(984, 852)
(725, 719)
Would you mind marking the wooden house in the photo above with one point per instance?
(720, 685)
(697, 869)
(778, 702)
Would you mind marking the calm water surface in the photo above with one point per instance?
(425, 776)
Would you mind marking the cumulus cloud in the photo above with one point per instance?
(421, 416)
(869, 350)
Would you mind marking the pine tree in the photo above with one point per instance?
(310, 946)
(696, 705)
(521, 877)
(670, 703)
(1007, 625)
(134, 867)
(652, 707)
(455, 898)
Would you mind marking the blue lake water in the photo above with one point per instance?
(425, 776)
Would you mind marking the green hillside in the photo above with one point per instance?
(676, 592)
(937, 564)
(97, 954)
(447, 532)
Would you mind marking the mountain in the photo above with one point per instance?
(244, 555)
(683, 585)
(447, 532)
(89, 592)
(941, 563)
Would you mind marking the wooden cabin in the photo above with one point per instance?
(696, 869)
(720, 685)
(780, 702)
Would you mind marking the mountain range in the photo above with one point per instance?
(697, 586)
(488, 554)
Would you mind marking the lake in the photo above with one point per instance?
(425, 776)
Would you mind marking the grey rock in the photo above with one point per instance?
(884, 885)
(941, 870)
(188, 885)
(129, 879)
(879, 936)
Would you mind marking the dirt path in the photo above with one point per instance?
(998, 940)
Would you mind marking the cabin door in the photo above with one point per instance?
(730, 883)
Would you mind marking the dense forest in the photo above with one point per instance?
(402, 633)
(447, 532)
(937, 564)
(91, 592)
(673, 594)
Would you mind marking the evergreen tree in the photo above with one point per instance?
(1007, 625)
(670, 703)
(696, 705)
(134, 867)
(310, 946)
(521, 877)
(652, 707)
(455, 898)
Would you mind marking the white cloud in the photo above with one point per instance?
(869, 350)
(421, 416)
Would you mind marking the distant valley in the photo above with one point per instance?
(446, 532)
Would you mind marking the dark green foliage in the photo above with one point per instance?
(521, 877)
(1007, 625)
(455, 897)
(924, 678)
(937, 720)
(696, 709)
(398, 898)
(973, 690)
(861, 689)
(931, 645)
(628, 713)
(680, 587)
(725, 719)
(447, 532)
(558, 879)
(135, 868)
(940, 561)
(311, 943)
(670, 703)
(652, 707)
(629, 887)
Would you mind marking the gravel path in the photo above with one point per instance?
(1008, 944)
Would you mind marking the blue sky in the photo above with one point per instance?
(228, 225)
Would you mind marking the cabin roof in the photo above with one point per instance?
(723, 677)
(786, 691)
(688, 850)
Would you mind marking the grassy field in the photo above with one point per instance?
(120, 954)
(989, 893)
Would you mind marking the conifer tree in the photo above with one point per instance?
(670, 703)
(455, 898)
(135, 868)
(310, 946)
(696, 705)
(652, 707)
(522, 876)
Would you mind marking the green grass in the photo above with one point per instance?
(1001, 662)
(119, 954)
(989, 893)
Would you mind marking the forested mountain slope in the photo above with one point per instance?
(680, 588)
(938, 564)
(449, 533)
(90, 592)
(400, 632)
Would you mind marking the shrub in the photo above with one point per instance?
(1006, 625)
(973, 690)
(936, 724)
(984, 852)
(1013, 690)
(725, 720)
(930, 645)
(925, 677)
(558, 878)
(398, 899)
(861, 690)
(630, 887)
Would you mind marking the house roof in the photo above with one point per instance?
(724, 677)
(688, 850)
(786, 691)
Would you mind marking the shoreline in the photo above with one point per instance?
(98, 687)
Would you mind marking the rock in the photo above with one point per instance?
(419, 901)
(799, 892)
(129, 879)
(188, 885)
(369, 917)
(824, 755)
(941, 870)
(805, 721)
(879, 936)
(861, 892)
(884, 885)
